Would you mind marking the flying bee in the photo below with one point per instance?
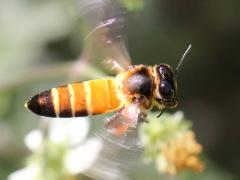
(131, 93)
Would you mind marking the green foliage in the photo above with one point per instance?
(133, 5)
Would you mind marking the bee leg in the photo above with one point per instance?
(131, 67)
(115, 65)
(144, 120)
(101, 28)
(125, 118)
(115, 126)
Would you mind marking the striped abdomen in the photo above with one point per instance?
(78, 99)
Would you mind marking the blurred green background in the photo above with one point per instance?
(41, 40)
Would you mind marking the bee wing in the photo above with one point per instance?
(118, 158)
(126, 118)
(120, 152)
(105, 20)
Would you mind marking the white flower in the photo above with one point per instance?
(33, 139)
(82, 157)
(178, 116)
(28, 173)
(77, 153)
(73, 130)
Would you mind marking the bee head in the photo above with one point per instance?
(166, 86)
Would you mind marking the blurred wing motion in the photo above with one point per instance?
(121, 146)
(104, 40)
(118, 157)
(104, 43)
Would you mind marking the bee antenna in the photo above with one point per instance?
(183, 57)
(161, 112)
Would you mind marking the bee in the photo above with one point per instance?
(135, 90)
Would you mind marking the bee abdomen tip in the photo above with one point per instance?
(41, 104)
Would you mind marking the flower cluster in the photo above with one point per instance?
(171, 144)
(60, 150)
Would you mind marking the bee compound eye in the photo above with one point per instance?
(163, 69)
(166, 89)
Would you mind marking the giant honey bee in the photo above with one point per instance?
(131, 93)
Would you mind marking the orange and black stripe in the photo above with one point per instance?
(76, 100)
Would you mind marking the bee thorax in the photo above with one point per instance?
(139, 82)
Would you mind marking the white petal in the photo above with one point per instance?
(33, 139)
(178, 116)
(82, 157)
(28, 173)
(72, 129)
